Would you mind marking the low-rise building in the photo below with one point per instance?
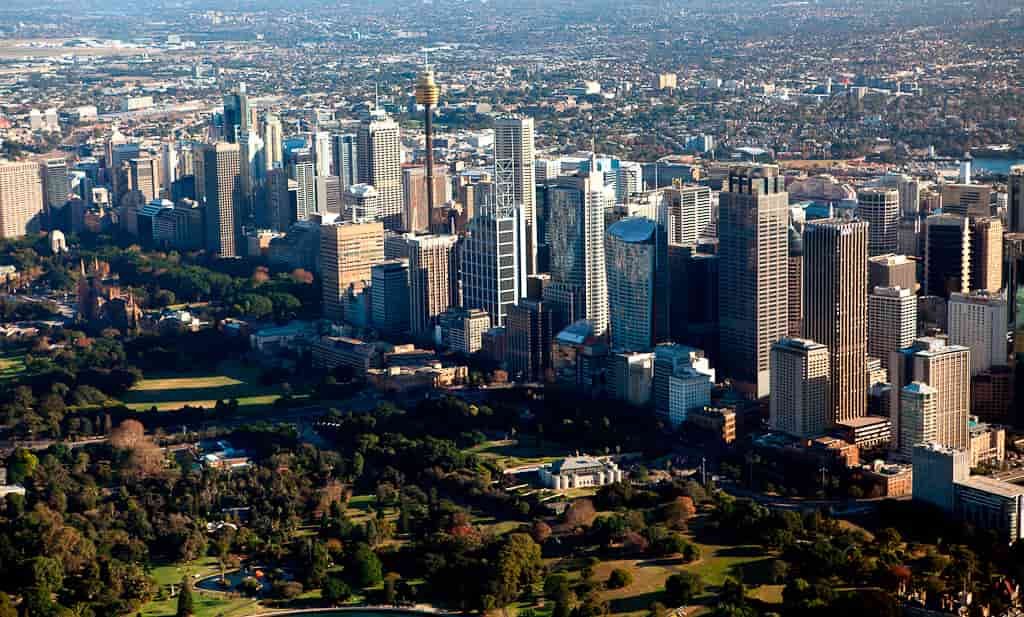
(988, 443)
(580, 471)
(883, 480)
(991, 504)
(866, 431)
(719, 421)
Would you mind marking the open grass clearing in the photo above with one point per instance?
(171, 391)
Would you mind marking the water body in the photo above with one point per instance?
(994, 165)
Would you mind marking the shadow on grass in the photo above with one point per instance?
(633, 604)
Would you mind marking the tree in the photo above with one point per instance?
(129, 434)
(580, 513)
(21, 465)
(540, 531)
(335, 591)
(317, 563)
(364, 567)
(519, 566)
(6, 606)
(682, 588)
(679, 511)
(186, 607)
(619, 578)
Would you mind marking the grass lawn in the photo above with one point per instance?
(718, 562)
(11, 365)
(512, 453)
(172, 391)
(207, 604)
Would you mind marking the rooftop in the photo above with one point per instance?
(633, 229)
(993, 486)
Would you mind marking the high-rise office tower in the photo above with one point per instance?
(360, 202)
(947, 369)
(223, 199)
(629, 180)
(514, 174)
(380, 164)
(237, 114)
(1015, 204)
(302, 170)
(169, 161)
(835, 307)
(277, 212)
(978, 321)
(144, 176)
(529, 330)
(321, 148)
(892, 321)
(753, 273)
(348, 251)
(576, 237)
(634, 251)
(880, 207)
(795, 319)
(986, 254)
(918, 413)
(273, 141)
(682, 381)
(427, 94)
(56, 184)
(253, 169)
(970, 200)
(416, 204)
(328, 194)
(345, 159)
(389, 297)
(800, 400)
(491, 264)
(892, 271)
(433, 283)
(21, 199)
(688, 213)
(947, 260)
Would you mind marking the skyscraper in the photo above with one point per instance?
(389, 297)
(635, 289)
(416, 205)
(273, 142)
(223, 198)
(978, 321)
(144, 176)
(880, 207)
(529, 340)
(835, 308)
(576, 237)
(514, 174)
(380, 164)
(345, 159)
(753, 273)
(986, 254)
(321, 148)
(947, 369)
(1015, 205)
(348, 251)
(427, 95)
(892, 321)
(947, 261)
(56, 184)
(433, 270)
(689, 214)
(21, 199)
(491, 264)
(795, 320)
(302, 170)
(800, 400)
(237, 114)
